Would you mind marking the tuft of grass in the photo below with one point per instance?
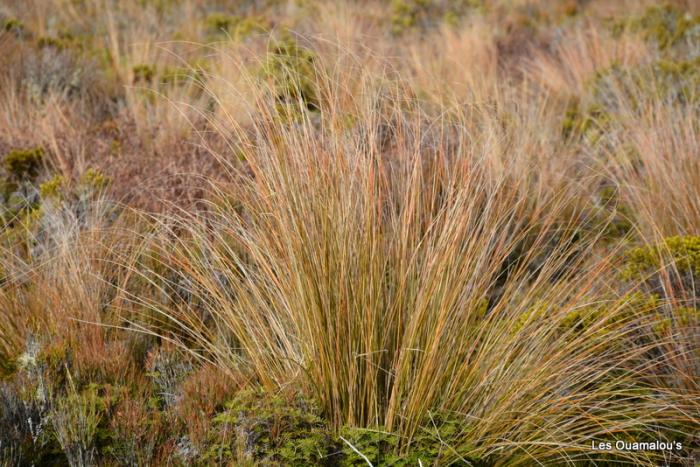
(437, 279)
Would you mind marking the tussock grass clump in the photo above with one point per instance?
(401, 268)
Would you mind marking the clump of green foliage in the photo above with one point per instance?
(670, 80)
(669, 269)
(667, 26)
(13, 26)
(21, 167)
(220, 22)
(632, 306)
(25, 437)
(615, 216)
(290, 430)
(168, 75)
(405, 14)
(237, 27)
(679, 80)
(683, 317)
(672, 77)
(59, 420)
(8, 365)
(76, 419)
(274, 430)
(180, 75)
(682, 252)
(167, 370)
(409, 14)
(24, 164)
(431, 446)
(61, 41)
(587, 123)
(618, 89)
(52, 188)
(94, 180)
(290, 69)
(49, 41)
(143, 73)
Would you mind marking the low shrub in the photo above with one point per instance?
(23, 164)
(236, 27)
(274, 429)
(290, 70)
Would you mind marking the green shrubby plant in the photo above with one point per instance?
(52, 188)
(411, 14)
(19, 198)
(274, 429)
(670, 269)
(76, 418)
(24, 426)
(61, 41)
(683, 253)
(674, 81)
(13, 26)
(137, 433)
(682, 317)
(406, 13)
(668, 272)
(167, 370)
(667, 27)
(617, 92)
(220, 25)
(588, 124)
(59, 68)
(24, 164)
(670, 76)
(618, 216)
(435, 444)
(182, 75)
(143, 73)
(93, 180)
(290, 70)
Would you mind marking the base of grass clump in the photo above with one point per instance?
(259, 428)
(273, 429)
